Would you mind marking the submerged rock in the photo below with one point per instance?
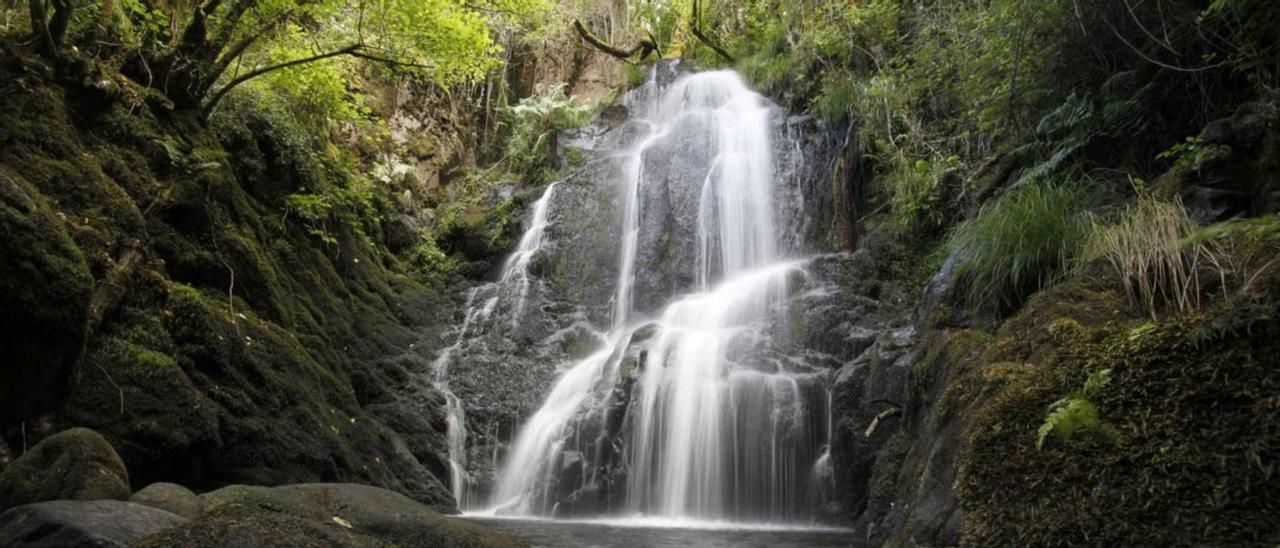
(75, 464)
(74, 524)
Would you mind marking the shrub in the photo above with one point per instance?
(533, 123)
(1020, 243)
(917, 189)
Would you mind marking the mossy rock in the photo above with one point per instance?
(45, 288)
(1189, 459)
(75, 464)
(242, 349)
(169, 497)
(322, 515)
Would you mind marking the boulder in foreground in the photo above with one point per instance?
(75, 464)
(170, 497)
(322, 514)
(77, 524)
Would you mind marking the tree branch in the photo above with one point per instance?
(228, 28)
(213, 101)
(236, 50)
(59, 21)
(1157, 62)
(696, 28)
(644, 48)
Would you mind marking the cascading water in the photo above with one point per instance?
(695, 413)
(512, 285)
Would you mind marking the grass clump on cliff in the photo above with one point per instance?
(1147, 246)
(1020, 243)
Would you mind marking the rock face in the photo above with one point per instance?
(76, 464)
(45, 288)
(169, 497)
(322, 515)
(82, 524)
(235, 346)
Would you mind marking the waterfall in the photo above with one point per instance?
(689, 412)
(516, 269)
(512, 285)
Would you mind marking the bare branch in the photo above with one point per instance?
(696, 28)
(1156, 61)
(644, 48)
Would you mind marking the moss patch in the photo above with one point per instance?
(1194, 456)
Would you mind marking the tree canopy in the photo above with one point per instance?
(195, 51)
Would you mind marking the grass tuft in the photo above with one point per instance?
(1020, 243)
(1149, 245)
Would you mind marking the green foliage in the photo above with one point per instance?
(917, 188)
(429, 259)
(196, 51)
(1266, 227)
(1080, 121)
(1250, 30)
(1185, 154)
(1075, 414)
(1020, 243)
(532, 125)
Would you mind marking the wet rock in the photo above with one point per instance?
(75, 464)
(82, 524)
(170, 497)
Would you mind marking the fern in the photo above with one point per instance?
(1075, 414)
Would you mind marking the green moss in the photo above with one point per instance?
(45, 290)
(883, 489)
(1192, 403)
(242, 348)
(948, 355)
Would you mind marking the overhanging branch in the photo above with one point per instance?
(644, 48)
(213, 101)
(696, 28)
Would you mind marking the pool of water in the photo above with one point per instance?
(642, 532)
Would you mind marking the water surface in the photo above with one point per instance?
(636, 533)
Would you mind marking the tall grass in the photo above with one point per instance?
(1150, 246)
(1020, 243)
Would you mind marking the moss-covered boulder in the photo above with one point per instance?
(169, 497)
(45, 289)
(75, 464)
(322, 515)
